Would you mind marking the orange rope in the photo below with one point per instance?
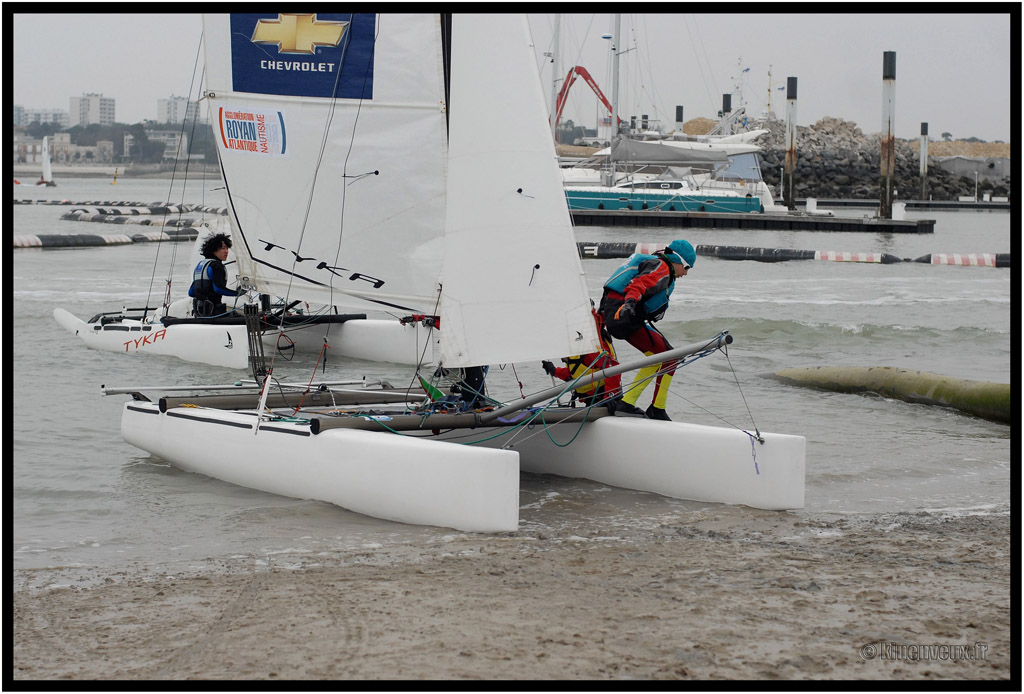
(303, 398)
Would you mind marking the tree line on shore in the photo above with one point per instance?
(142, 150)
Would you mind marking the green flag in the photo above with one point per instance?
(433, 393)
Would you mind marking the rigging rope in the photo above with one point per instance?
(156, 259)
(309, 203)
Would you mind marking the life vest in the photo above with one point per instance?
(202, 284)
(654, 305)
(580, 365)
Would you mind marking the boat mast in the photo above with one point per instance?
(615, 91)
(554, 79)
(446, 56)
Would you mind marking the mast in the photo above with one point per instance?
(615, 91)
(554, 79)
(446, 55)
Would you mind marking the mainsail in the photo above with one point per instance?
(344, 175)
(331, 135)
(47, 170)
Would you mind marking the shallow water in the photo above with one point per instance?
(84, 498)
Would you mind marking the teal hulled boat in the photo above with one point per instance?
(664, 195)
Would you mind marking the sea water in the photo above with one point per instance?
(82, 497)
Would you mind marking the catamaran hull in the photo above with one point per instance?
(429, 481)
(677, 459)
(396, 478)
(364, 338)
(227, 345)
(381, 340)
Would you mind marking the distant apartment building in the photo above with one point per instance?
(62, 152)
(26, 150)
(61, 149)
(28, 116)
(91, 108)
(175, 143)
(175, 109)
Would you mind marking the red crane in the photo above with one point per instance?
(569, 79)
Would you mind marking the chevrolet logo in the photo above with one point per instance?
(298, 33)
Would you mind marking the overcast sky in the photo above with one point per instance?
(953, 71)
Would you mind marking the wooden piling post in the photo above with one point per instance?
(888, 162)
(924, 161)
(788, 186)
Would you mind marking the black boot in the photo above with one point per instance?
(657, 413)
(625, 409)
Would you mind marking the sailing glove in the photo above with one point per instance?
(627, 310)
(549, 368)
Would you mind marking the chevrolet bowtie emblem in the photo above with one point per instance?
(298, 33)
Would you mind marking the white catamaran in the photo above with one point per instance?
(171, 330)
(351, 147)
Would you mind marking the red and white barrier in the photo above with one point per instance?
(971, 259)
(848, 257)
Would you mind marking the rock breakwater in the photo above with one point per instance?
(835, 159)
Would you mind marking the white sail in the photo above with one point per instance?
(331, 134)
(345, 176)
(47, 171)
(513, 283)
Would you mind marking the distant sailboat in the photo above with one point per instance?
(47, 178)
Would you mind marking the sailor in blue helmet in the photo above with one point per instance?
(635, 297)
(209, 279)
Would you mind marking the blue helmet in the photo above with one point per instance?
(683, 251)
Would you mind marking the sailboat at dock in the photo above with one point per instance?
(361, 178)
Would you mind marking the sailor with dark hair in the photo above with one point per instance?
(209, 279)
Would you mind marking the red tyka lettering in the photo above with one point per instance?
(146, 339)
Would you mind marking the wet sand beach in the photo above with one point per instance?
(719, 594)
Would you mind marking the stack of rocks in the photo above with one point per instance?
(835, 159)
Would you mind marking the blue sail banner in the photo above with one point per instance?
(312, 55)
